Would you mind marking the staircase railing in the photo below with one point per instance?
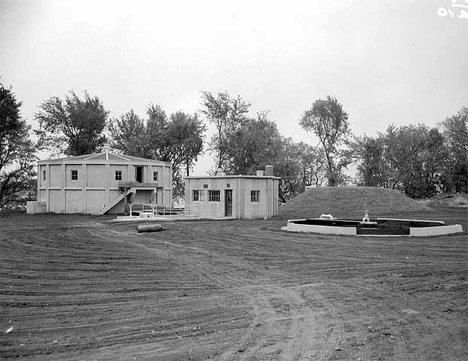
(121, 197)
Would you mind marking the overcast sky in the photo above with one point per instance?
(386, 61)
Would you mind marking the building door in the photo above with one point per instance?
(228, 202)
(139, 174)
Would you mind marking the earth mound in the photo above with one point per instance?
(349, 202)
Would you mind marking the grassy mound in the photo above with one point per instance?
(349, 202)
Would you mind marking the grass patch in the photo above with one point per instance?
(350, 202)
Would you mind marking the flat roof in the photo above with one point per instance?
(233, 176)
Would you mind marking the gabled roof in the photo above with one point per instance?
(105, 157)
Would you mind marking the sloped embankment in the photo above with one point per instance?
(349, 202)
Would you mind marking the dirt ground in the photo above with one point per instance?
(81, 288)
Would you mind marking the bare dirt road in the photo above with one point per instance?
(80, 288)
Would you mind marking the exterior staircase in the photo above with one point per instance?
(108, 206)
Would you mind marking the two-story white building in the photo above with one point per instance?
(101, 183)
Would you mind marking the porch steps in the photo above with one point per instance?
(108, 206)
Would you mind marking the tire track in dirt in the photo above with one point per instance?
(400, 349)
(265, 273)
(411, 343)
(337, 331)
(444, 340)
(257, 336)
(340, 291)
(263, 312)
(51, 308)
(363, 350)
(302, 330)
(406, 344)
(304, 334)
(402, 343)
(300, 317)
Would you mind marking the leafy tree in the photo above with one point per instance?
(184, 140)
(17, 156)
(126, 133)
(299, 165)
(409, 158)
(434, 162)
(405, 153)
(72, 126)
(371, 170)
(313, 165)
(288, 169)
(228, 115)
(256, 144)
(455, 132)
(178, 140)
(159, 145)
(329, 122)
(185, 135)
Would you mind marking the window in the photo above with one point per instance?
(155, 176)
(214, 196)
(197, 195)
(118, 175)
(255, 196)
(74, 175)
(44, 177)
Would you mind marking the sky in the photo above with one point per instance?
(386, 61)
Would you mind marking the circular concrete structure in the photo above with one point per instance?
(379, 227)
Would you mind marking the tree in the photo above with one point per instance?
(228, 115)
(313, 165)
(72, 126)
(126, 133)
(184, 139)
(178, 140)
(455, 133)
(16, 150)
(406, 153)
(256, 144)
(299, 165)
(185, 136)
(156, 135)
(369, 152)
(329, 122)
(409, 158)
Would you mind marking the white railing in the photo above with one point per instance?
(171, 212)
(155, 209)
(197, 213)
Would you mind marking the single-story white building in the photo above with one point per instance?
(235, 196)
(101, 183)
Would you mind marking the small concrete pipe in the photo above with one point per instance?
(149, 228)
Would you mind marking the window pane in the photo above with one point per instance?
(214, 196)
(155, 176)
(255, 196)
(74, 175)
